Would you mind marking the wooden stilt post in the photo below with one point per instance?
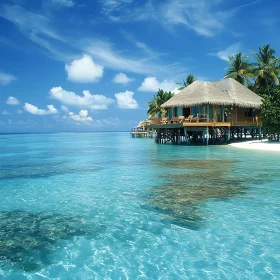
(186, 134)
(228, 136)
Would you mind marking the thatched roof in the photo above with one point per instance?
(224, 92)
(241, 95)
(142, 123)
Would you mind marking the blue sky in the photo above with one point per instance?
(93, 65)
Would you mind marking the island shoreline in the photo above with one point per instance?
(262, 145)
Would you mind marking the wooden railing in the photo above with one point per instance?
(198, 118)
(204, 118)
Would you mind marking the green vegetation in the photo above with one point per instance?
(266, 70)
(189, 80)
(261, 76)
(270, 114)
(154, 106)
(240, 69)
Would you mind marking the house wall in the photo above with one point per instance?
(220, 113)
(237, 117)
(170, 113)
(179, 111)
(234, 115)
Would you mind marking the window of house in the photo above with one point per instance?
(219, 114)
(249, 113)
(194, 110)
(186, 111)
(175, 112)
(211, 112)
(170, 113)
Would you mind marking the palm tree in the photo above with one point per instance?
(154, 106)
(267, 68)
(240, 69)
(189, 79)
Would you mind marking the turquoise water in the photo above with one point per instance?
(106, 206)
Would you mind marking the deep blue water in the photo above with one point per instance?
(106, 206)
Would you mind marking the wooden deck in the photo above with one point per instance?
(140, 134)
(244, 124)
(190, 124)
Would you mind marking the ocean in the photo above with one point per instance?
(107, 206)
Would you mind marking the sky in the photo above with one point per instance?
(93, 65)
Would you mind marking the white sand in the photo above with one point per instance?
(263, 145)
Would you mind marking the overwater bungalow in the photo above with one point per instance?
(142, 131)
(210, 113)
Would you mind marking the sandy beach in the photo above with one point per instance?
(263, 145)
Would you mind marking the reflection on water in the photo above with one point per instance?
(193, 182)
(28, 239)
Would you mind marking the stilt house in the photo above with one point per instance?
(210, 113)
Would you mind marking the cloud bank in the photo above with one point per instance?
(84, 70)
(81, 117)
(5, 78)
(66, 3)
(121, 78)
(230, 51)
(151, 84)
(12, 101)
(97, 101)
(125, 100)
(34, 110)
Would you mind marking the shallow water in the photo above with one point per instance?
(106, 206)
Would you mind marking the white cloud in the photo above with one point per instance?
(84, 70)
(121, 78)
(28, 22)
(108, 56)
(114, 60)
(6, 113)
(125, 100)
(19, 111)
(64, 108)
(66, 3)
(206, 18)
(248, 4)
(230, 51)
(151, 84)
(108, 6)
(5, 79)
(97, 102)
(37, 28)
(81, 117)
(36, 111)
(41, 31)
(12, 101)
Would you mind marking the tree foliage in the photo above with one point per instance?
(189, 80)
(240, 69)
(154, 106)
(266, 68)
(263, 77)
(270, 112)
